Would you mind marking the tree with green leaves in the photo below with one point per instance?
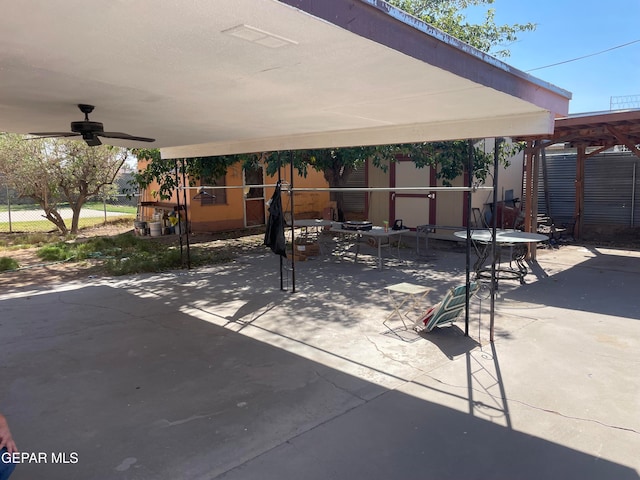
(450, 17)
(167, 173)
(53, 171)
(336, 165)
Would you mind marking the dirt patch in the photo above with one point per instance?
(34, 271)
(611, 236)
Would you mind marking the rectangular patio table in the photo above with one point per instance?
(312, 228)
(383, 238)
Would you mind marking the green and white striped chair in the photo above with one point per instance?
(451, 306)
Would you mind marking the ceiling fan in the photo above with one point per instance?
(90, 131)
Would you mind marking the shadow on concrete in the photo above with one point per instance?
(140, 389)
(450, 340)
(399, 436)
(604, 283)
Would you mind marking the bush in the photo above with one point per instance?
(55, 253)
(140, 261)
(128, 254)
(8, 263)
(26, 240)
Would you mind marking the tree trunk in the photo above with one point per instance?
(76, 207)
(338, 197)
(336, 180)
(54, 217)
(75, 218)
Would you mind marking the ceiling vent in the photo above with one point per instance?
(255, 35)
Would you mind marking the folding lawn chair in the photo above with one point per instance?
(451, 306)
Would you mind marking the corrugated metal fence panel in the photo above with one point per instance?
(636, 195)
(354, 202)
(561, 175)
(609, 190)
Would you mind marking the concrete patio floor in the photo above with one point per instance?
(217, 373)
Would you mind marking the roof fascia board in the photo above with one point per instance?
(373, 19)
(507, 126)
(607, 118)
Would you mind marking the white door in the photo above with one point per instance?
(412, 207)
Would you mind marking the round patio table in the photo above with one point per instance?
(514, 239)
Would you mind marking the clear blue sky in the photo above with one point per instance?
(567, 29)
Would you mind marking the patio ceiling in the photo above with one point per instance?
(211, 77)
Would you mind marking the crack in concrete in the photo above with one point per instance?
(164, 423)
(384, 355)
(534, 407)
(338, 387)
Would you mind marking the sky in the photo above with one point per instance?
(568, 29)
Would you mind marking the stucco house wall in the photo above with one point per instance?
(447, 208)
(232, 214)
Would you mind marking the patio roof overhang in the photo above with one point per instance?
(602, 130)
(211, 78)
(590, 133)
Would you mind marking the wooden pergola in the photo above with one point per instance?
(590, 134)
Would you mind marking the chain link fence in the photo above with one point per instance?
(24, 215)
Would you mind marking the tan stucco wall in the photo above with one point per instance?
(450, 205)
(230, 216)
(508, 179)
(212, 218)
(306, 204)
(378, 201)
(412, 206)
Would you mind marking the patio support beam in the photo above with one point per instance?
(600, 150)
(179, 213)
(528, 155)
(624, 140)
(545, 181)
(186, 215)
(535, 185)
(578, 214)
(494, 226)
(468, 223)
(293, 240)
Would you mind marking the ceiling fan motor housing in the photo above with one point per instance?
(86, 127)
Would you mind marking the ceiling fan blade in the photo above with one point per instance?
(125, 136)
(55, 134)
